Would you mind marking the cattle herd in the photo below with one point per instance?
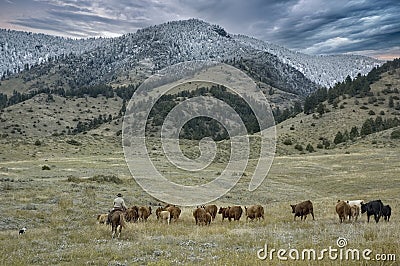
(203, 215)
(351, 210)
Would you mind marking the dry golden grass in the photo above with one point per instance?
(61, 215)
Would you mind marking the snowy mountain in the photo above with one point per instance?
(325, 70)
(20, 50)
(94, 61)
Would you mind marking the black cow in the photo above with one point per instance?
(373, 208)
(386, 212)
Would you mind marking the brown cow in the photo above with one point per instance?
(224, 212)
(208, 218)
(132, 214)
(343, 209)
(211, 209)
(158, 210)
(144, 212)
(235, 212)
(200, 216)
(355, 211)
(254, 212)
(302, 209)
(102, 218)
(174, 211)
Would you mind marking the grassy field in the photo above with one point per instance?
(59, 208)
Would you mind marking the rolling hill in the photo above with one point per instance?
(380, 104)
(84, 86)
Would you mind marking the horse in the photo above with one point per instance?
(117, 219)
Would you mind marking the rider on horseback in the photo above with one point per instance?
(119, 205)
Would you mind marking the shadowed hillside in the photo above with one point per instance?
(366, 118)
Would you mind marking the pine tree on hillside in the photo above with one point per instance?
(310, 148)
(354, 133)
(391, 102)
(321, 109)
(338, 138)
(367, 127)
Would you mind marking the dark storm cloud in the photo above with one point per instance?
(336, 27)
(86, 18)
(311, 26)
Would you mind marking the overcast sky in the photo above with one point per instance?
(368, 27)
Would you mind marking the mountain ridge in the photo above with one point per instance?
(170, 43)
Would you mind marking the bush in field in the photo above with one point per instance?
(326, 143)
(96, 178)
(395, 134)
(106, 178)
(38, 143)
(287, 142)
(74, 179)
(298, 147)
(73, 142)
(45, 167)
